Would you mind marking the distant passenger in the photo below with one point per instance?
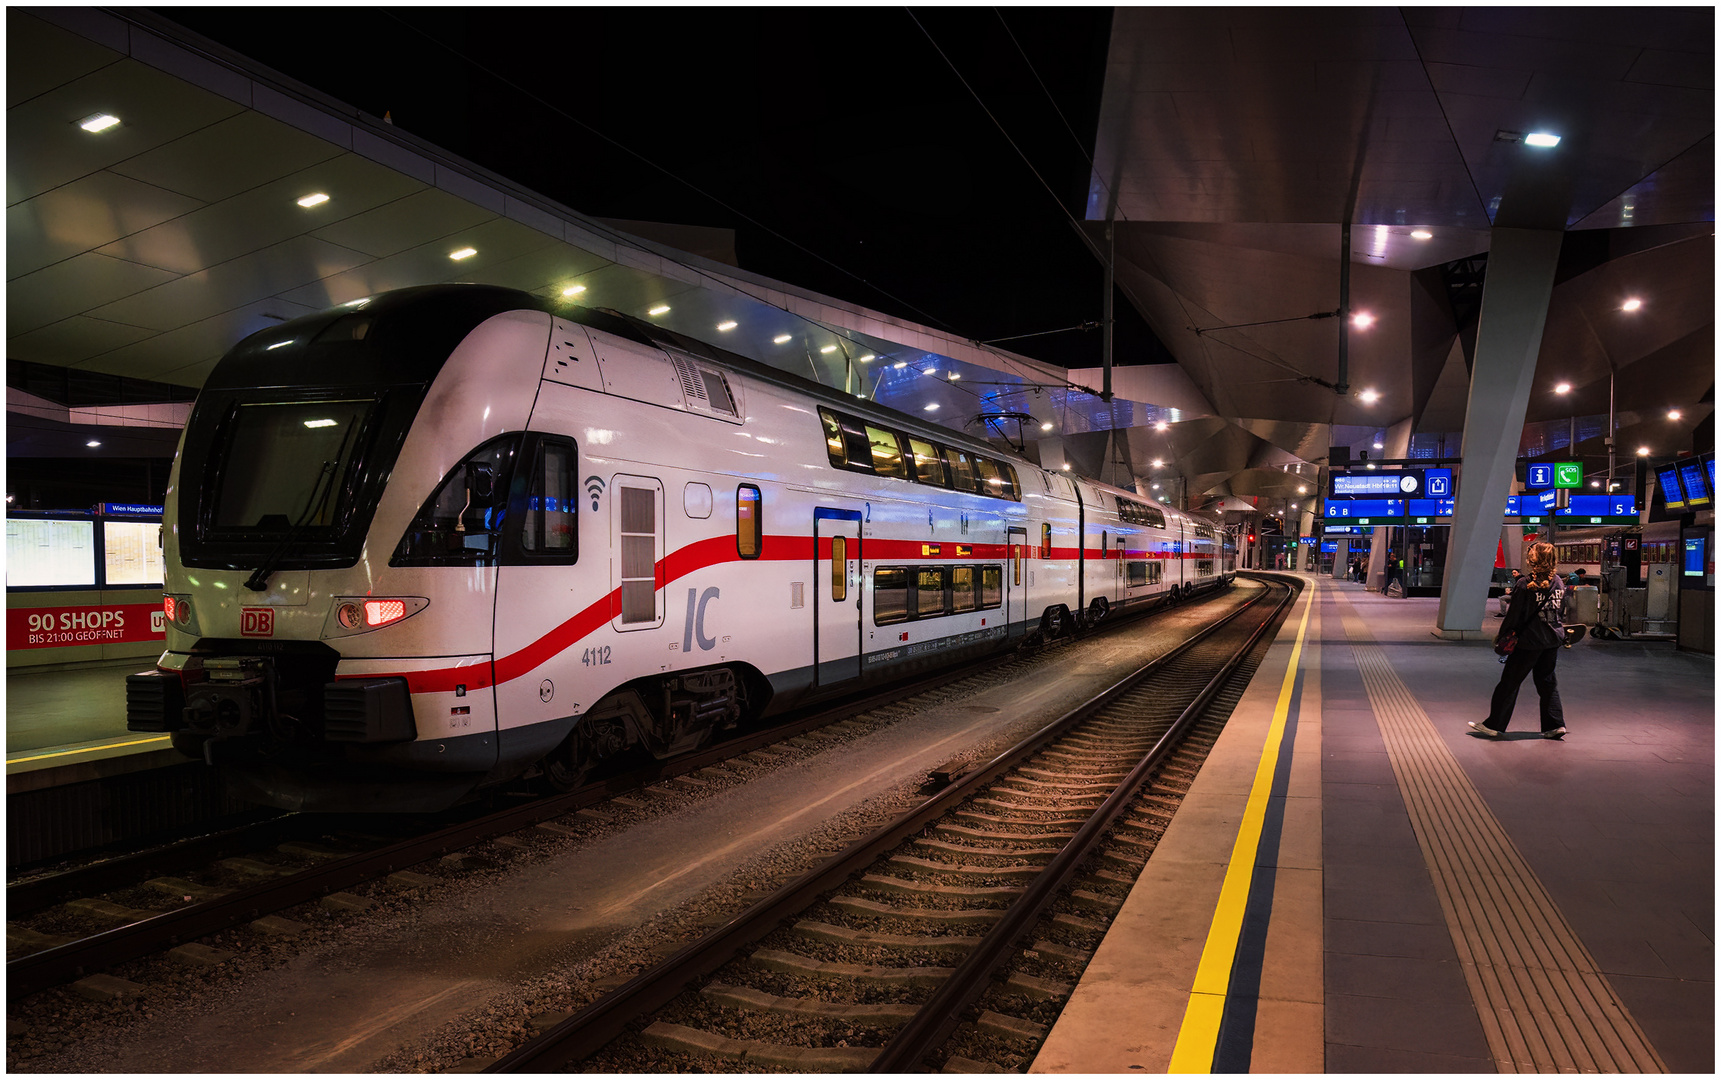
(1506, 593)
(1534, 618)
(1577, 578)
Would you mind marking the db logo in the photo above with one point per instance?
(256, 622)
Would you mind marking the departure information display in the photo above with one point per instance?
(43, 552)
(133, 552)
(1402, 482)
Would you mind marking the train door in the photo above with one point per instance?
(836, 595)
(1015, 579)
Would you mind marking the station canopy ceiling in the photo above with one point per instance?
(1231, 144)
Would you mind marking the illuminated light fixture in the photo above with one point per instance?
(1302, 491)
(1066, 466)
(930, 371)
(1421, 234)
(319, 423)
(1595, 483)
(93, 443)
(1631, 305)
(728, 324)
(900, 364)
(661, 309)
(1362, 320)
(931, 408)
(954, 376)
(278, 344)
(1563, 388)
(1047, 426)
(1674, 414)
(1643, 451)
(98, 122)
(1544, 139)
(1371, 464)
(1293, 506)
(868, 358)
(1156, 487)
(781, 339)
(316, 199)
(1379, 445)
(1159, 463)
(828, 349)
(1369, 397)
(383, 612)
(573, 290)
(1162, 426)
(463, 253)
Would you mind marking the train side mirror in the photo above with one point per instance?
(481, 486)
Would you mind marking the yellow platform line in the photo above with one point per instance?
(88, 749)
(1198, 1038)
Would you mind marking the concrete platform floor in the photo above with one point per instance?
(1408, 897)
(71, 715)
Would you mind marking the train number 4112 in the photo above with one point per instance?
(592, 657)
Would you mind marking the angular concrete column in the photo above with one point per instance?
(1521, 264)
(1341, 557)
(1395, 446)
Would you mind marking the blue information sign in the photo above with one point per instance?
(1618, 506)
(1537, 476)
(1364, 508)
(143, 509)
(1430, 507)
(1437, 484)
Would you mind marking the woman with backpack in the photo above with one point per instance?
(1530, 638)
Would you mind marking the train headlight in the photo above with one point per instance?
(179, 612)
(362, 614)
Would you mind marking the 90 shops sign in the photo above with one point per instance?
(95, 624)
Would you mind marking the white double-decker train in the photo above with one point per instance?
(447, 536)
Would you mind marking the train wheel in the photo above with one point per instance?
(1052, 624)
(1098, 610)
(567, 767)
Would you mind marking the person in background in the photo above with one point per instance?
(1506, 593)
(1577, 577)
(1535, 617)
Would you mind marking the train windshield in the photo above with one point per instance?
(287, 463)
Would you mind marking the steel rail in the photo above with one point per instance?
(943, 1011)
(588, 1030)
(63, 963)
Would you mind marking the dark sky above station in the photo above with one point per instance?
(840, 144)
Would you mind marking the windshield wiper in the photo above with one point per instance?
(259, 579)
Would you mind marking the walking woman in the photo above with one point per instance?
(1534, 616)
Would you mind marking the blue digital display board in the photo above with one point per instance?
(1539, 475)
(1667, 480)
(1430, 508)
(1695, 555)
(1437, 484)
(1364, 508)
(1398, 482)
(1615, 505)
(1692, 479)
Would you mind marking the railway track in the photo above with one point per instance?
(66, 926)
(950, 937)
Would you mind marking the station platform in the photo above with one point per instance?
(66, 725)
(1356, 883)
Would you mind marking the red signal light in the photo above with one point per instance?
(383, 612)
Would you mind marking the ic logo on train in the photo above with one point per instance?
(256, 622)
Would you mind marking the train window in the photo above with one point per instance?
(638, 533)
(461, 523)
(1046, 540)
(834, 445)
(961, 470)
(1016, 561)
(928, 465)
(929, 585)
(839, 568)
(1152, 515)
(886, 453)
(890, 595)
(962, 592)
(547, 528)
(992, 585)
(1009, 471)
(1136, 575)
(991, 483)
(749, 522)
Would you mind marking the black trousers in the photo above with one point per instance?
(1519, 663)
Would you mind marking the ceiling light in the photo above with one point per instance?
(1293, 506)
(1379, 445)
(1066, 466)
(1162, 426)
(1563, 388)
(781, 339)
(868, 358)
(931, 408)
(1362, 320)
(930, 371)
(1156, 487)
(93, 443)
(661, 309)
(1674, 414)
(1369, 397)
(1543, 139)
(900, 364)
(573, 290)
(316, 199)
(1371, 464)
(1595, 483)
(1631, 305)
(463, 253)
(954, 376)
(1159, 463)
(1302, 491)
(727, 324)
(1643, 451)
(98, 122)
(828, 349)
(1421, 234)
(1047, 426)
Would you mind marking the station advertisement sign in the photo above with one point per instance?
(84, 624)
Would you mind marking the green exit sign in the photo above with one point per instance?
(1568, 474)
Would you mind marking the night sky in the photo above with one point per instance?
(839, 144)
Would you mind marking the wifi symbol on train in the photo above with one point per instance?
(594, 488)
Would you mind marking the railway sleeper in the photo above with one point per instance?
(745, 997)
(1077, 958)
(1040, 854)
(1036, 988)
(828, 1059)
(1066, 786)
(994, 836)
(1013, 820)
(930, 866)
(1009, 1027)
(1054, 776)
(857, 905)
(883, 884)
(844, 935)
(789, 963)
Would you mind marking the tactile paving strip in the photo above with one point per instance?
(1544, 1005)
